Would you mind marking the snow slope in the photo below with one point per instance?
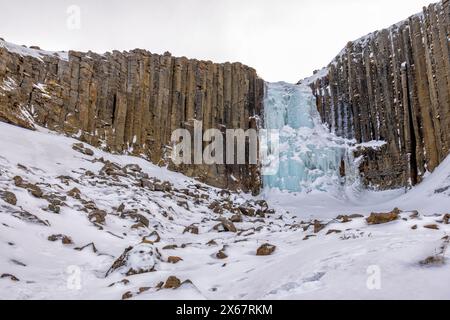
(305, 265)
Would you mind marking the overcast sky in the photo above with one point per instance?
(282, 39)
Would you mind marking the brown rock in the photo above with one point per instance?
(228, 225)
(446, 219)
(266, 250)
(318, 226)
(221, 254)
(8, 197)
(191, 229)
(380, 218)
(74, 193)
(212, 243)
(97, 216)
(64, 239)
(174, 260)
(172, 283)
(432, 226)
(127, 295)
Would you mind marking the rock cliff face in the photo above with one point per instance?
(130, 102)
(393, 85)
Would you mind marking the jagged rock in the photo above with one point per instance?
(216, 207)
(8, 197)
(174, 259)
(64, 239)
(446, 219)
(318, 226)
(191, 229)
(432, 226)
(82, 149)
(32, 188)
(98, 216)
(132, 168)
(172, 283)
(380, 218)
(127, 295)
(227, 225)
(54, 208)
(123, 282)
(146, 183)
(67, 179)
(212, 243)
(221, 254)
(249, 212)
(136, 217)
(163, 187)
(112, 169)
(266, 250)
(74, 193)
(142, 258)
(143, 289)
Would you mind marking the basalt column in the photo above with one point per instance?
(131, 102)
(394, 85)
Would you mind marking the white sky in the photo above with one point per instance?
(284, 39)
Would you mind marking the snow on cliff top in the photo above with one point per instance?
(35, 53)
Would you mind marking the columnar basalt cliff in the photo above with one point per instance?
(132, 102)
(393, 85)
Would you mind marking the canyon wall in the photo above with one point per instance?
(130, 102)
(393, 85)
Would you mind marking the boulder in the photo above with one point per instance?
(174, 259)
(266, 250)
(172, 283)
(8, 197)
(381, 218)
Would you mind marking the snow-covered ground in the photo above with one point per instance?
(361, 261)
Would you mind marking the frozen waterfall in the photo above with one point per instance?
(310, 157)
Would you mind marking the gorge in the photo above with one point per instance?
(392, 85)
(356, 179)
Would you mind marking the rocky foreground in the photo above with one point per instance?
(78, 223)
